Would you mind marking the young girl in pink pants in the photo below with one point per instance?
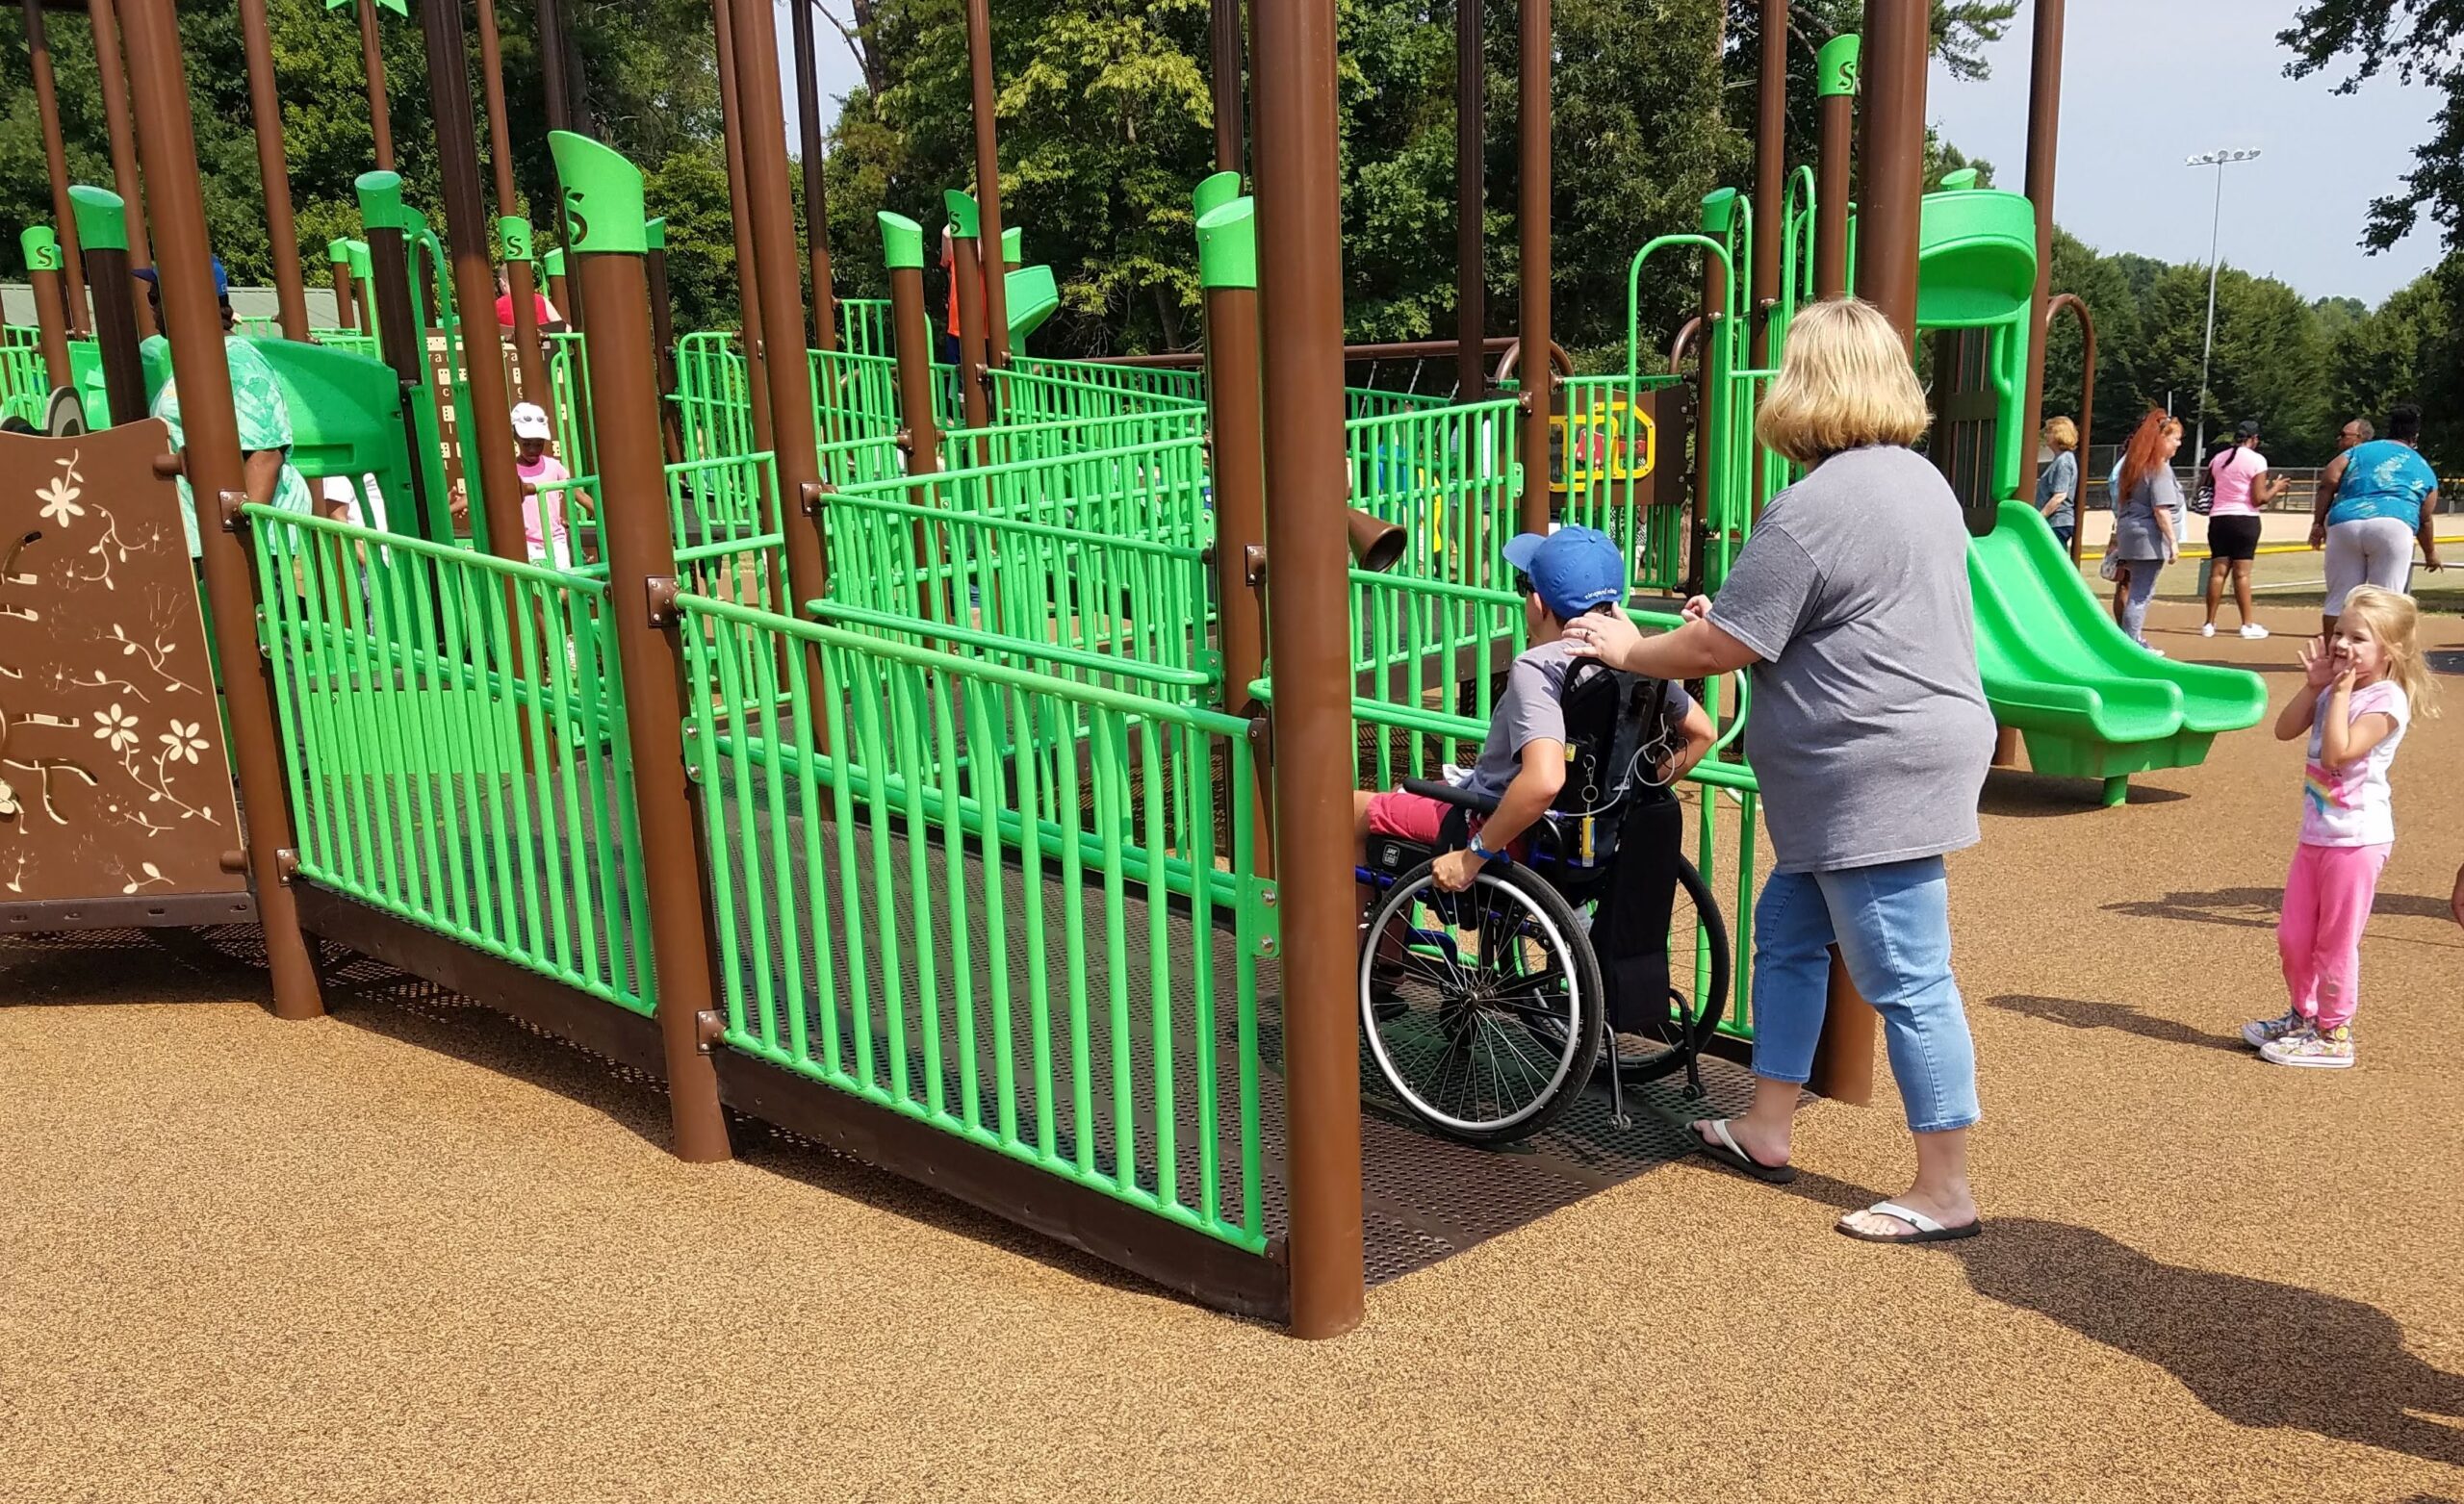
(2364, 684)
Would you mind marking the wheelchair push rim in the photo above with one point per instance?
(1502, 1002)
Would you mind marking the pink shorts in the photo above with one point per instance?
(1412, 817)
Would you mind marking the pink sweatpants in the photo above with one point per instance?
(2326, 903)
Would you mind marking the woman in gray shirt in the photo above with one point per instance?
(1869, 736)
(2147, 528)
(2058, 484)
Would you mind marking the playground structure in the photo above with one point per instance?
(953, 764)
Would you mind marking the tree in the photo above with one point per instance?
(2420, 39)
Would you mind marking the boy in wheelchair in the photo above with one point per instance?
(1522, 771)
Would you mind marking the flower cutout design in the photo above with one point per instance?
(185, 740)
(59, 500)
(116, 728)
(7, 800)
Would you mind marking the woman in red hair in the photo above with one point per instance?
(2148, 511)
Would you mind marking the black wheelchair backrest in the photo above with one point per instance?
(1614, 734)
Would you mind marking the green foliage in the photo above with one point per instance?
(2419, 39)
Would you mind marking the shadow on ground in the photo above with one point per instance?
(2035, 796)
(2254, 1352)
(2080, 1013)
(2257, 908)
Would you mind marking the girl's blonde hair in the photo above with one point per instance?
(1844, 383)
(2061, 434)
(2392, 617)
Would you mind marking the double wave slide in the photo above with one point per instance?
(2089, 702)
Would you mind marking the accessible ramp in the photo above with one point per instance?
(2089, 702)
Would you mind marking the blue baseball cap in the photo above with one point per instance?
(1572, 570)
(222, 278)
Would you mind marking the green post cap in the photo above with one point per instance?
(1719, 211)
(554, 263)
(965, 223)
(1214, 191)
(516, 233)
(1835, 65)
(1014, 243)
(1958, 182)
(1227, 243)
(362, 264)
(102, 218)
(338, 251)
(41, 247)
(655, 233)
(380, 201)
(901, 243)
(603, 196)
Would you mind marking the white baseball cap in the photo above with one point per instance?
(530, 422)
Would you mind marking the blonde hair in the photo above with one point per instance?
(2391, 617)
(1844, 383)
(2062, 434)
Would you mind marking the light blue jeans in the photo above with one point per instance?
(1892, 924)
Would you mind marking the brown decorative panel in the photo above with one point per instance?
(112, 777)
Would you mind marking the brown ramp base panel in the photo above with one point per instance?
(1427, 1198)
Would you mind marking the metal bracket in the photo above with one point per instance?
(658, 595)
(710, 1026)
(904, 440)
(809, 495)
(1522, 400)
(286, 865)
(1253, 563)
(230, 502)
(232, 862)
(170, 466)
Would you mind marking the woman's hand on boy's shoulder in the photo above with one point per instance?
(1606, 635)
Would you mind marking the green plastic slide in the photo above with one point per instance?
(2089, 702)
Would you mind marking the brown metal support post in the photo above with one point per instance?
(748, 280)
(552, 65)
(911, 339)
(1770, 185)
(41, 248)
(2045, 132)
(345, 287)
(489, 424)
(1470, 200)
(273, 171)
(1300, 291)
(825, 307)
(1532, 209)
(1897, 37)
(112, 73)
(987, 184)
(605, 194)
(967, 285)
(1227, 268)
(763, 132)
(1224, 81)
(1836, 71)
(528, 359)
(560, 291)
(671, 426)
(55, 160)
(371, 62)
(167, 143)
(102, 229)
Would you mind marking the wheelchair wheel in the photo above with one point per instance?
(1482, 1009)
(1698, 985)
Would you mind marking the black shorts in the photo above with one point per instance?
(2233, 538)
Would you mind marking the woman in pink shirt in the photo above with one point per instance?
(2241, 485)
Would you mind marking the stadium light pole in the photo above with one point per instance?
(2220, 161)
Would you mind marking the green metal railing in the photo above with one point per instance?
(918, 553)
(863, 326)
(1160, 383)
(453, 725)
(713, 395)
(1361, 402)
(1607, 455)
(1020, 908)
(351, 341)
(25, 389)
(1447, 477)
(1042, 392)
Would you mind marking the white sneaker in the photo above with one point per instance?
(2253, 630)
(2208, 631)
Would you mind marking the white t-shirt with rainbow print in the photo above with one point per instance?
(2352, 806)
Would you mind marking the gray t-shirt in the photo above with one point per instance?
(1533, 709)
(1868, 727)
(2135, 535)
(2060, 478)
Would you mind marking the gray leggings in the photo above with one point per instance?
(2141, 575)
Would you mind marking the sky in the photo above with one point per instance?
(2146, 82)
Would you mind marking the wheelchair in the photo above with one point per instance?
(1487, 1013)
